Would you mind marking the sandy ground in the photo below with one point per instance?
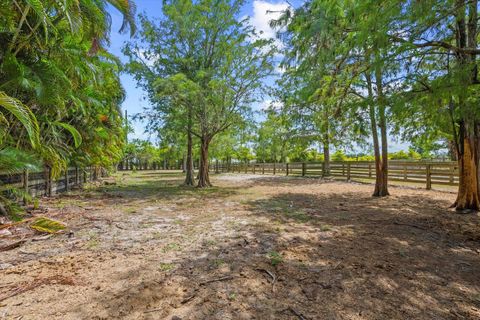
(252, 247)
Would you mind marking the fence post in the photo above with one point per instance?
(48, 182)
(274, 168)
(348, 171)
(429, 177)
(343, 169)
(452, 173)
(286, 164)
(25, 185)
(404, 172)
(323, 169)
(304, 169)
(254, 168)
(263, 168)
(66, 180)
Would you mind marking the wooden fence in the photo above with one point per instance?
(39, 183)
(426, 173)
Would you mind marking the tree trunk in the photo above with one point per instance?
(452, 151)
(326, 156)
(381, 183)
(189, 177)
(203, 174)
(468, 197)
(468, 139)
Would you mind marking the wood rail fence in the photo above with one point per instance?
(427, 173)
(39, 183)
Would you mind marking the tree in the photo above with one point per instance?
(59, 89)
(440, 50)
(211, 66)
(335, 42)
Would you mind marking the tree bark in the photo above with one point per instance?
(203, 174)
(189, 175)
(468, 196)
(326, 157)
(383, 132)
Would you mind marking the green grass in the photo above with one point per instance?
(325, 227)
(166, 267)
(218, 262)
(275, 258)
(171, 247)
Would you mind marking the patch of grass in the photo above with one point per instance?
(178, 222)
(218, 263)
(232, 296)
(297, 215)
(209, 243)
(93, 240)
(157, 235)
(275, 258)
(171, 247)
(325, 227)
(131, 210)
(284, 210)
(166, 267)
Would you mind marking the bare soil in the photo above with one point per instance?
(253, 247)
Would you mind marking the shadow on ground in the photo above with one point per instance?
(317, 256)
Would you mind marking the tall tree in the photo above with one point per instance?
(208, 62)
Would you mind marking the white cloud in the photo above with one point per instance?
(148, 58)
(270, 104)
(263, 13)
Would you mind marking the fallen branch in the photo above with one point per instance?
(271, 274)
(27, 286)
(12, 245)
(298, 314)
(189, 298)
(119, 226)
(153, 310)
(216, 280)
(48, 236)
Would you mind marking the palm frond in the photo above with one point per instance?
(23, 114)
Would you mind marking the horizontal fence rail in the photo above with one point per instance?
(427, 173)
(39, 183)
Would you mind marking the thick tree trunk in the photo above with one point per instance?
(468, 197)
(468, 139)
(189, 175)
(203, 174)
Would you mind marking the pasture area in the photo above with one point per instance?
(140, 246)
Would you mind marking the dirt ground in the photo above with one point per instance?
(253, 247)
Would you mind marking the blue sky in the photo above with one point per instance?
(135, 101)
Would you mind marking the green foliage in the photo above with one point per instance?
(339, 155)
(275, 258)
(60, 91)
